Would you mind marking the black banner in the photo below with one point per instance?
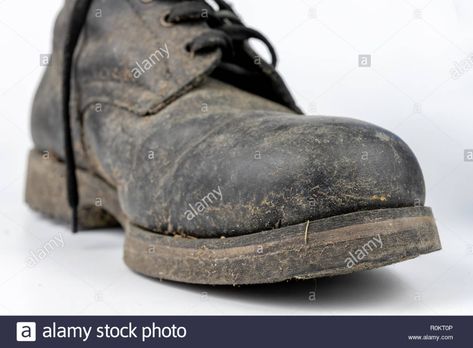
(236, 331)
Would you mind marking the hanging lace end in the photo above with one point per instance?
(74, 225)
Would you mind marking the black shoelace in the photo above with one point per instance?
(227, 28)
(227, 33)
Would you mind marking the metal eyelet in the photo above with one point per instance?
(164, 20)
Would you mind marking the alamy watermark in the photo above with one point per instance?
(38, 255)
(359, 254)
(364, 60)
(468, 155)
(199, 207)
(462, 67)
(45, 59)
(148, 63)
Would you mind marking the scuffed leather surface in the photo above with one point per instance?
(126, 31)
(113, 45)
(273, 167)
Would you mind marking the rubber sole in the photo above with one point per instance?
(326, 247)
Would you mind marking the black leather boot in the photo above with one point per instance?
(159, 116)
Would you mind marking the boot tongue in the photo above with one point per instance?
(249, 72)
(240, 66)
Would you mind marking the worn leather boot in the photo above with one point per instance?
(157, 115)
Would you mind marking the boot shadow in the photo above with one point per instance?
(353, 291)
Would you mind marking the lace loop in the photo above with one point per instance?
(227, 28)
(210, 40)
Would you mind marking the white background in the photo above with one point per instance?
(408, 90)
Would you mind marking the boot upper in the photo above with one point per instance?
(189, 152)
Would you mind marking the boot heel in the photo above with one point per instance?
(46, 193)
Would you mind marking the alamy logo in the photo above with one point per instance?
(203, 204)
(26, 331)
(364, 251)
(462, 67)
(147, 64)
(45, 250)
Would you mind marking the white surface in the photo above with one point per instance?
(408, 90)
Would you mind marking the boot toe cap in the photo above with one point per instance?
(265, 170)
(277, 170)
